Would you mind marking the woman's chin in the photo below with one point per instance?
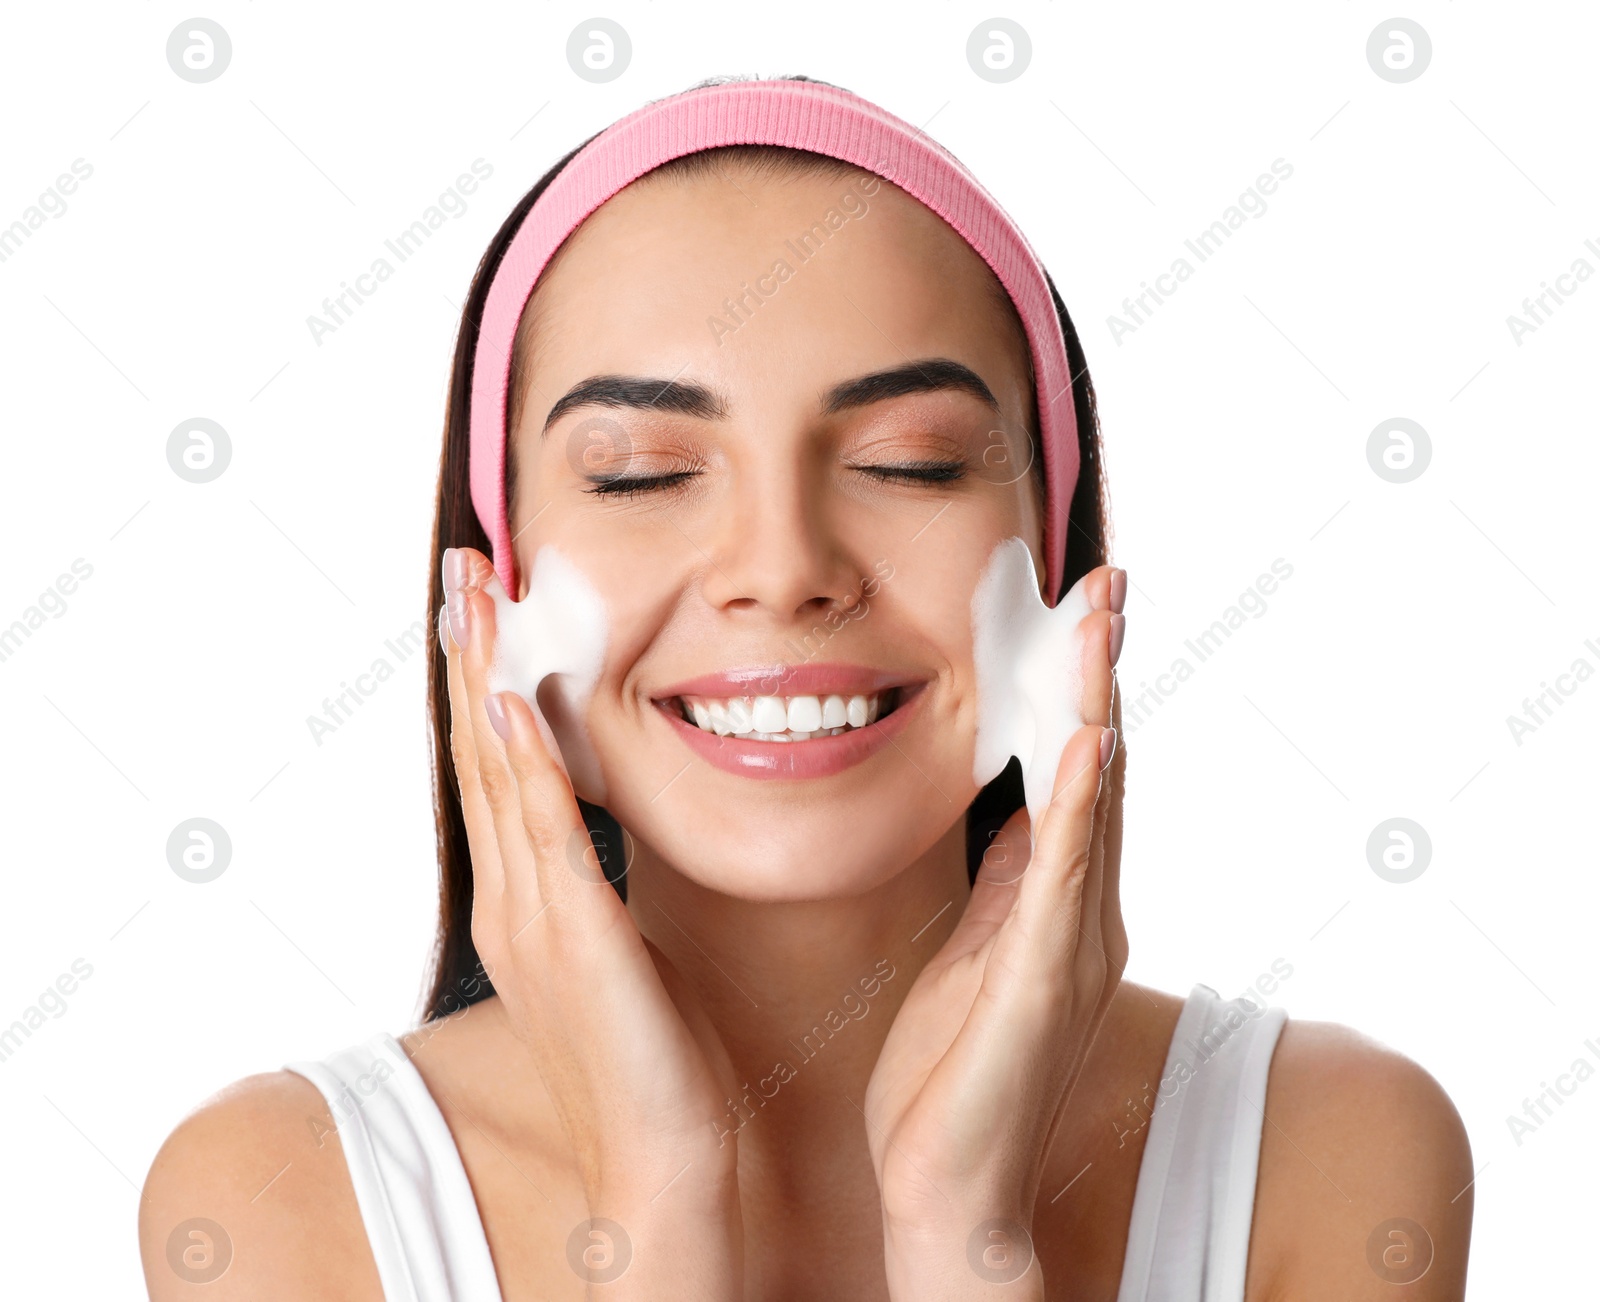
(760, 863)
(832, 836)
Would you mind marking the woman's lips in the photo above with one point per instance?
(789, 680)
(817, 757)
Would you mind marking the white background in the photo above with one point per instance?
(219, 616)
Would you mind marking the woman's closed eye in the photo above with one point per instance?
(915, 472)
(903, 472)
(636, 485)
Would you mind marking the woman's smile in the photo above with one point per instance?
(790, 721)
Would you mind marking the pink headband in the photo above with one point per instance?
(799, 115)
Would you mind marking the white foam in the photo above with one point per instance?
(558, 629)
(1028, 660)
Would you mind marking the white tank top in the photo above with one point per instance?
(1188, 1238)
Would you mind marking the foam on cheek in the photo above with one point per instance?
(1028, 660)
(559, 628)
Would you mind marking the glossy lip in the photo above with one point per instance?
(790, 680)
(819, 757)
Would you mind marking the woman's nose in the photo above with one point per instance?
(777, 547)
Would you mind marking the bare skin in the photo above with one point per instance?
(749, 912)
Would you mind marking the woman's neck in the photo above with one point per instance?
(802, 994)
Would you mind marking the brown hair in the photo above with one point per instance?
(456, 976)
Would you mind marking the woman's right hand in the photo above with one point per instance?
(632, 1063)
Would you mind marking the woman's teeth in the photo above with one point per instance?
(781, 718)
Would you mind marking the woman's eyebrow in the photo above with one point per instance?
(929, 375)
(687, 398)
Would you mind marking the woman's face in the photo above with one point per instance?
(794, 529)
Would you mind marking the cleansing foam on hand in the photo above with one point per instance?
(558, 628)
(1029, 664)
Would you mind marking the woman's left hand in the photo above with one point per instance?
(976, 1071)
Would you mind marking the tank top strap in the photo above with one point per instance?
(411, 1187)
(1189, 1235)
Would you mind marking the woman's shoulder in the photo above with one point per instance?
(1365, 1173)
(250, 1193)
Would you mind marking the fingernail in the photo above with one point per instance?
(1118, 624)
(439, 624)
(1119, 590)
(495, 708)
(1108, 746)
(453, 570)
(460, 622)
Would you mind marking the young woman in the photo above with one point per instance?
(746, 985)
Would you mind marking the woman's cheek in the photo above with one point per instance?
(587, 615)
(932, 593)
(937, 592)
(639, 594)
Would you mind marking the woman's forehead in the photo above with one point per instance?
(727, 272)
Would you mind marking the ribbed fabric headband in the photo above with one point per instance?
(800, 115)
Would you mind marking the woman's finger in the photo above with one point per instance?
(538, 828)
(1063, 841)
(994, 890)
(568, 875)
(1050, 907)
(498, 786)
(1103, 588)
(1114, 934)
(1105, 908)
(1101, 642)
(1099, 648)
(488, 876)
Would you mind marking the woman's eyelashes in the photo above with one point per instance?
(915, 472)
(902, 472)
(636, 485)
